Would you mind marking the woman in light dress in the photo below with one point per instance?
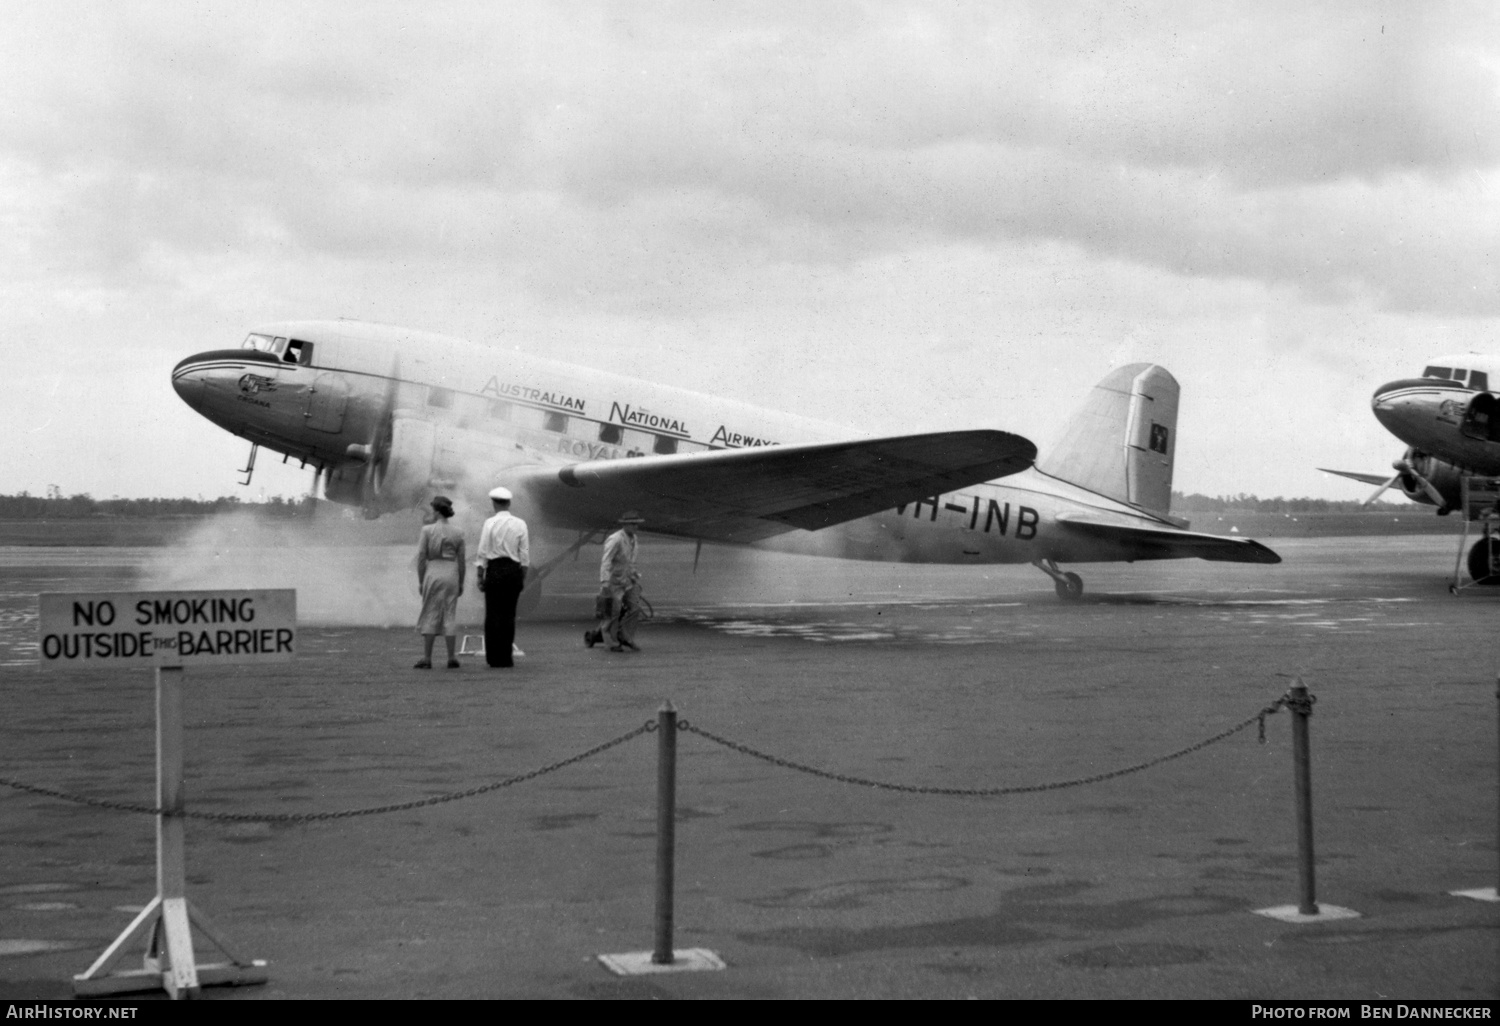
(440, 577)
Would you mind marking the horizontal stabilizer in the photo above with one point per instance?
(1167, 542)
(742, 495)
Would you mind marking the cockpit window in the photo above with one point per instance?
(297, 351)
(1477, 380)
(260, 343)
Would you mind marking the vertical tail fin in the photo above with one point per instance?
(1122, 440)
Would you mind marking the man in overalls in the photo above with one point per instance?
(621, 582)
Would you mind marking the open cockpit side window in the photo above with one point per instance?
(291, 350)
(296, 351)
(1482, 418)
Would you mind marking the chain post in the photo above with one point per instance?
(666, 828)
(1300, 703)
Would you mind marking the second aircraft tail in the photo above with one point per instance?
(1122, 441)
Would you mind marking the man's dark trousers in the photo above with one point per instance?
(503, 581)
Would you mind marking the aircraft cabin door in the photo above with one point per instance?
(326, 401)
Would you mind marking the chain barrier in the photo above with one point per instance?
(988, 792)
(1285, 701)
(313, 817)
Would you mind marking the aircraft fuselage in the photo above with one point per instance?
(1445, 418)
(322, 392)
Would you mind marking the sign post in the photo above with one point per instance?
(167, 631)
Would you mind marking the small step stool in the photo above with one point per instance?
(478, 649)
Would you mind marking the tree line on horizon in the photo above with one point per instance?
(1242, 503)
(26, 506)
(82, 506)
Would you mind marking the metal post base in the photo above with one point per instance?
(169, 963)
(640, 963)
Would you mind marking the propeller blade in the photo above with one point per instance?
(1431, 490)
(1381, 490)
(376, 452)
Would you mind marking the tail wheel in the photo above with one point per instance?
(1070, 588)
(1482, 561)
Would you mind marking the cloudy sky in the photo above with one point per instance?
(899, 216)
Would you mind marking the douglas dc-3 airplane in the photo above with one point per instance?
(1450, 420)
(389, 416)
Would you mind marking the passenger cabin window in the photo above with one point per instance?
(664, 446)
(556, 421)
(499, 410)
(442, 398)
(610, 434)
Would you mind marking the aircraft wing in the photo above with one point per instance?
(1168, 542)
(743, 495)
(1375, 479)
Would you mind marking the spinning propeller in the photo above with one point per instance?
(376, 453)
(1404, 468)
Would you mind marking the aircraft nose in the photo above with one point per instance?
(1409, 407)
(1385, 393)
(188, 381)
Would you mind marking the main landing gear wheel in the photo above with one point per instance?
(1482, 559)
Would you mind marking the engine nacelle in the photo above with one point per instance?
(413, 459)
(402, 471)
(395, 472)
(1444, 477)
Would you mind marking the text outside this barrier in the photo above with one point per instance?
(118, 630)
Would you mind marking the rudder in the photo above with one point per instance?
(1122, 441)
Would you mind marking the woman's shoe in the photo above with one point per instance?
(423, 665)
(452, 664)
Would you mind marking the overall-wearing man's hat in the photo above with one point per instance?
(500, 494)
(631, 516)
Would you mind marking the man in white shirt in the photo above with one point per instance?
(504, 554)
(619, 579)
